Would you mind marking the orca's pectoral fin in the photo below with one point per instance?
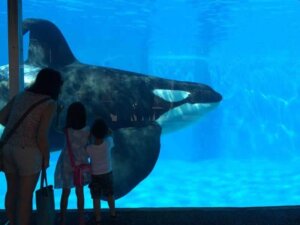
(134, 156)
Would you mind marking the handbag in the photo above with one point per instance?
(14, 128)
(78, 170)
(45, 207)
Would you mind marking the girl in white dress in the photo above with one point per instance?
(78, 135)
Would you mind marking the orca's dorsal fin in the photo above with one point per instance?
(47, 45)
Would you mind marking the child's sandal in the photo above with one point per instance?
(81, 221)
(98, 222)
(62, 221)
(113, 216)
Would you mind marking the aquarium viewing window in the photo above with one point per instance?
(201, 95)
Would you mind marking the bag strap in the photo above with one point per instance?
(69, 148)
(17, 124)
(43, 178)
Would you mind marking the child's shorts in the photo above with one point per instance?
(101, 185)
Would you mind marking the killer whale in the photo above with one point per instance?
(136, 106)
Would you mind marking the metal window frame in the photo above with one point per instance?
(15, 47)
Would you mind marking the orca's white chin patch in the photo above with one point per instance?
(184, 115)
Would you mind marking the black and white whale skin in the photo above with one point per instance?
(138, 107)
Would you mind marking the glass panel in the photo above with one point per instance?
(241, 152)
(3, 36)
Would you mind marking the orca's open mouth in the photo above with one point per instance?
(182, 115)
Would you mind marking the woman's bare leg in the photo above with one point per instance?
(11, 197)
(26, 187)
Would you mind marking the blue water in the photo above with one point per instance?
(244, 153)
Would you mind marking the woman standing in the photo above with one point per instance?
(27, 150)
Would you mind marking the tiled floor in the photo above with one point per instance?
(194, 216)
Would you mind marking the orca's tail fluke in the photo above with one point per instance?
(47, 45)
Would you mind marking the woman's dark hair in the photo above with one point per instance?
(99, 129)
(76, 116)
(47, 82)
